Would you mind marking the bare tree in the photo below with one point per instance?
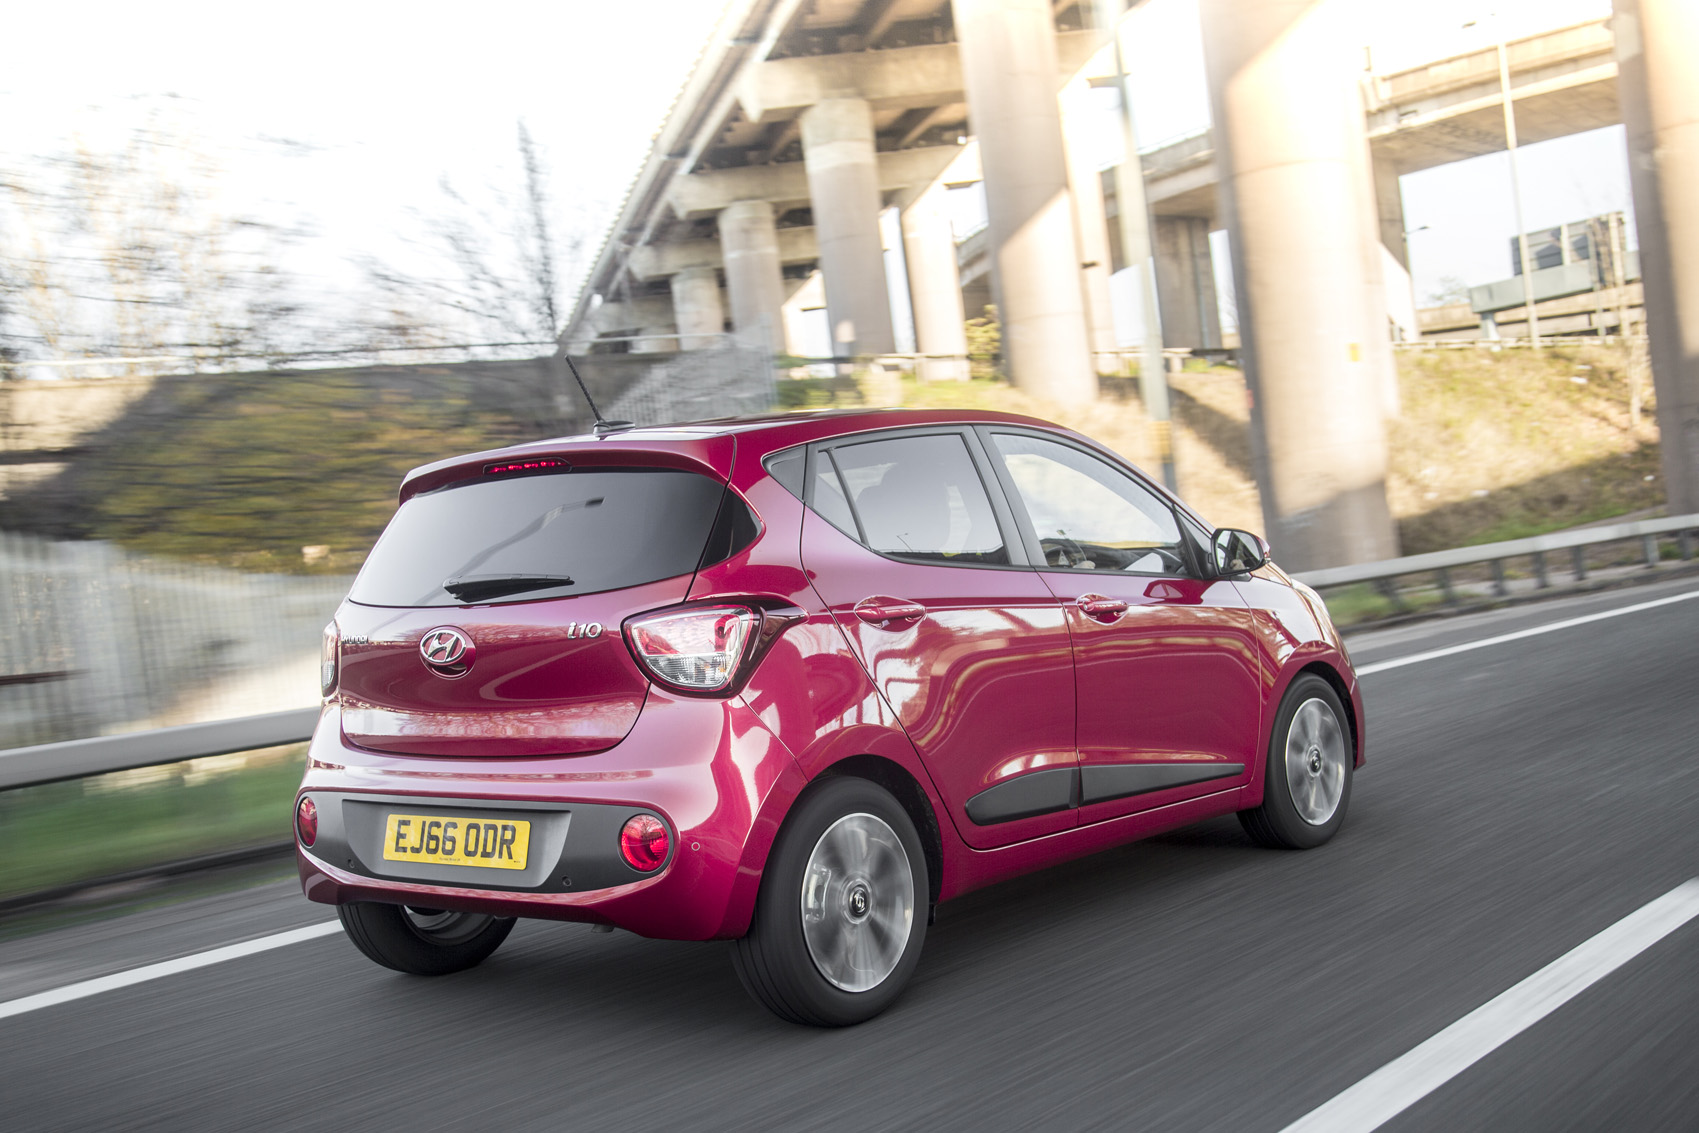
(536, 249)
(125, 252)
(1448, 289)
(505, 264)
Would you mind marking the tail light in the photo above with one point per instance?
(307, 821)
(696, 650)
(327, 660)
(643, 842)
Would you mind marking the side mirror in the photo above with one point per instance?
(1236, 552)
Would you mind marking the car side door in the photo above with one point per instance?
(1166, 662)
(914, 551)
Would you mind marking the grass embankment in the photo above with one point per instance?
(1488, 446)
(245, 470)
(64, 833)
(1494, 446)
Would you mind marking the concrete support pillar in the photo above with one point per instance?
(1389, 207)
(697, 308)
(755, 285)
(1091, 225)
(935, 287)
(1658, 87)
(1185, 283)
(843, 185)
(1009, 67)
(1298, 195)
(1377, 345)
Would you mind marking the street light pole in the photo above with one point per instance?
(1516, 183)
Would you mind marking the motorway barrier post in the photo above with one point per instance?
(1443, 577)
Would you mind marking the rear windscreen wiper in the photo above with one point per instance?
(482, 587)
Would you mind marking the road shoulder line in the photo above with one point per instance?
(1404, 1081)
(189, 963)
(1533, 631)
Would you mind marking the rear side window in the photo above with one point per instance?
(546, 536)
(829, 498)
(917, 498)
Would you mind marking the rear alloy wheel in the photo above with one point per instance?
(421, 941)
(1308, 774)
(842, 910)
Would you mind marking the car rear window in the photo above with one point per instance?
(542, 536)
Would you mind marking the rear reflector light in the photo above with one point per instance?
(307, 821)
(536, 465)
(327, 660)
(643, 842)
(693, 650)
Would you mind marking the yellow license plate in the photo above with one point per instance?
(501, 843)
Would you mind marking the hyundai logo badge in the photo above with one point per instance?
(447, 651)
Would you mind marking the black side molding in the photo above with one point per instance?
(1100, 782)
(1041, 792)
(1059, 788)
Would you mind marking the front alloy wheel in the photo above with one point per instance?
(1307, 778)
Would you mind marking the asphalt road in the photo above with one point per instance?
(1519, 799)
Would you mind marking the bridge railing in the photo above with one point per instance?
(1551, 560)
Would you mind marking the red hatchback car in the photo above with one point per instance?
(792, 682)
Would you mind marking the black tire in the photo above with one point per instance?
(774, 961)
(1278, 823)
(423, 942)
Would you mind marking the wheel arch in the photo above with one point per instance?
(1324, 669)
(910, 795)
(1336, 681)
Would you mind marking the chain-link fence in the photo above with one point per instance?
(696, 385)
(100, 641)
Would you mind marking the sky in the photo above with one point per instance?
(383, 99)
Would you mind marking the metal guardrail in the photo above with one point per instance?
(1537, 547)
(76, 759)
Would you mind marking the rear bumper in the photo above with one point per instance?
(711, 770)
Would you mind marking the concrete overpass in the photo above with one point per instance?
(804, 120)
(1563, 82)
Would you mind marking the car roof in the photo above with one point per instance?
(781, 430)
(706, 444)
(766, 433)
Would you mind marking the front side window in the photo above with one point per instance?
(1088, 514)
(916, 497)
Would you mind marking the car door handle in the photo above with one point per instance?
(882, 611)
(1100, 608)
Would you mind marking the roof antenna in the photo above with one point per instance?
(602, 425)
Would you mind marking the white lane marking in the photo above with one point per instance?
(1434, 654)
(1406, 1080)
(165, 968)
